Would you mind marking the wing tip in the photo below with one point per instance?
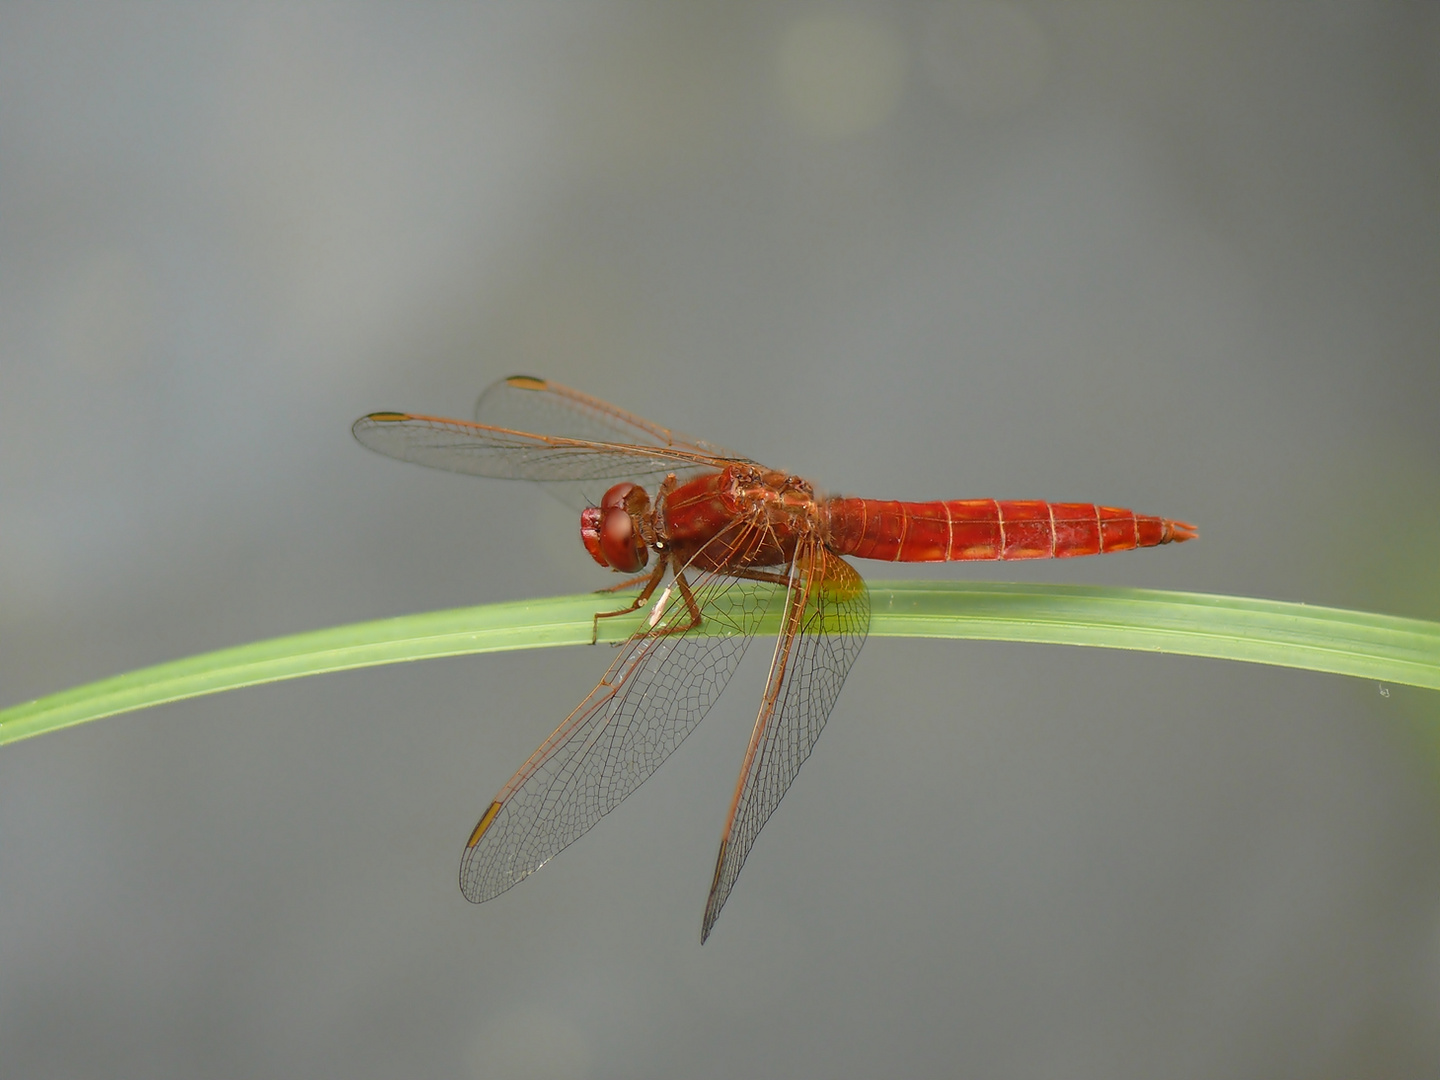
(717, 898)
(482, 825)
(366, 427)
(712, 913)
(527, 382)
(471, 878)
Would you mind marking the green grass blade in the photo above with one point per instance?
(1381, 647)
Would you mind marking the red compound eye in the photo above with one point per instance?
(616, 496)
(609, 531)
(621, 543)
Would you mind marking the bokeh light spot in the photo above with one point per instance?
(840, 76)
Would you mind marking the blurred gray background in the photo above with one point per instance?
(1184, 258)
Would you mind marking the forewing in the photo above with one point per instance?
(525, 403)
(464, 447)
(532, 429)
(654, 694)
(826, 619)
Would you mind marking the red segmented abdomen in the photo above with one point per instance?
(990, 529)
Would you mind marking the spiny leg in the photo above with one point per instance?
(760, 575)
(653, 579)
(691, 605)
(628, 583)
(684, 587)
(689, 597)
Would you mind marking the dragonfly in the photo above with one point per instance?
(720, 527)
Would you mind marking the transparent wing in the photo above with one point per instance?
(656, 691)
(525, 403)
(827, 616)
(464, 447)
(531, 429)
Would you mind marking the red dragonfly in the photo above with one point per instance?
(716, 523)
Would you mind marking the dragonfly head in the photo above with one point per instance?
(611, 531)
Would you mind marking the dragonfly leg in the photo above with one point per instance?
(691, 604)
(651, 580)
(760, 575)
(628, 583)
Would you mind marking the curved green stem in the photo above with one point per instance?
(1381, 647)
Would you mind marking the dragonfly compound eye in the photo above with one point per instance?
(617, 495)
(620, 541)
(610, 536)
